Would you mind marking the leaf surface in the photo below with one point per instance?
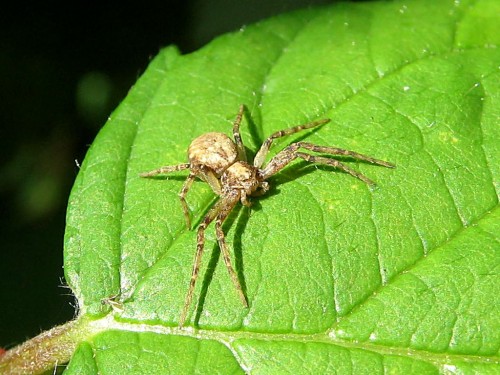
(340, 277)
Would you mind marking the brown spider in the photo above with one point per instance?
(217, 160)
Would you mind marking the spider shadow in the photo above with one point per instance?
(240, 215)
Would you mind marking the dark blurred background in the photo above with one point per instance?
(63, 68)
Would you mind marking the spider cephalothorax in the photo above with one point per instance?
(243, 179)
(221, 162)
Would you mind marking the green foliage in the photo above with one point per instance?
(399, 279)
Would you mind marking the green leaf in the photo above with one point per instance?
(339, 277)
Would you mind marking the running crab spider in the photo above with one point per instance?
(221, 162)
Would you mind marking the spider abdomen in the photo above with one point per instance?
(213, 150)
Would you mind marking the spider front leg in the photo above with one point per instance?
(242, 156)
(290, 153)
(336, 163)
(212, 214)
(264, 149)
(341, 151)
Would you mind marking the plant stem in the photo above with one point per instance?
(44, 351)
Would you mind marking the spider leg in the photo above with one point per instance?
(237, 136)
(224, 212)
(290, 153)
(200, 244)
(211, 179)
(340, 151)
(264, 149)
(334, 163)
(182, 197)
(280, 161)
(166, 169)
(244, 201)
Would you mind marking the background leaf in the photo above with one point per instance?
(402, 278)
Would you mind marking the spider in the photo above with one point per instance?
(222, 163)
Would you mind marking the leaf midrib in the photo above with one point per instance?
(229, 338)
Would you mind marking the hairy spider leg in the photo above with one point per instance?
(343, 152)
(242, 156)
(165, 169)
(290, 153)
(221, 217)
(335, 163)
(207, 175)
(264, 149)
(182, 197)
(212, 214)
